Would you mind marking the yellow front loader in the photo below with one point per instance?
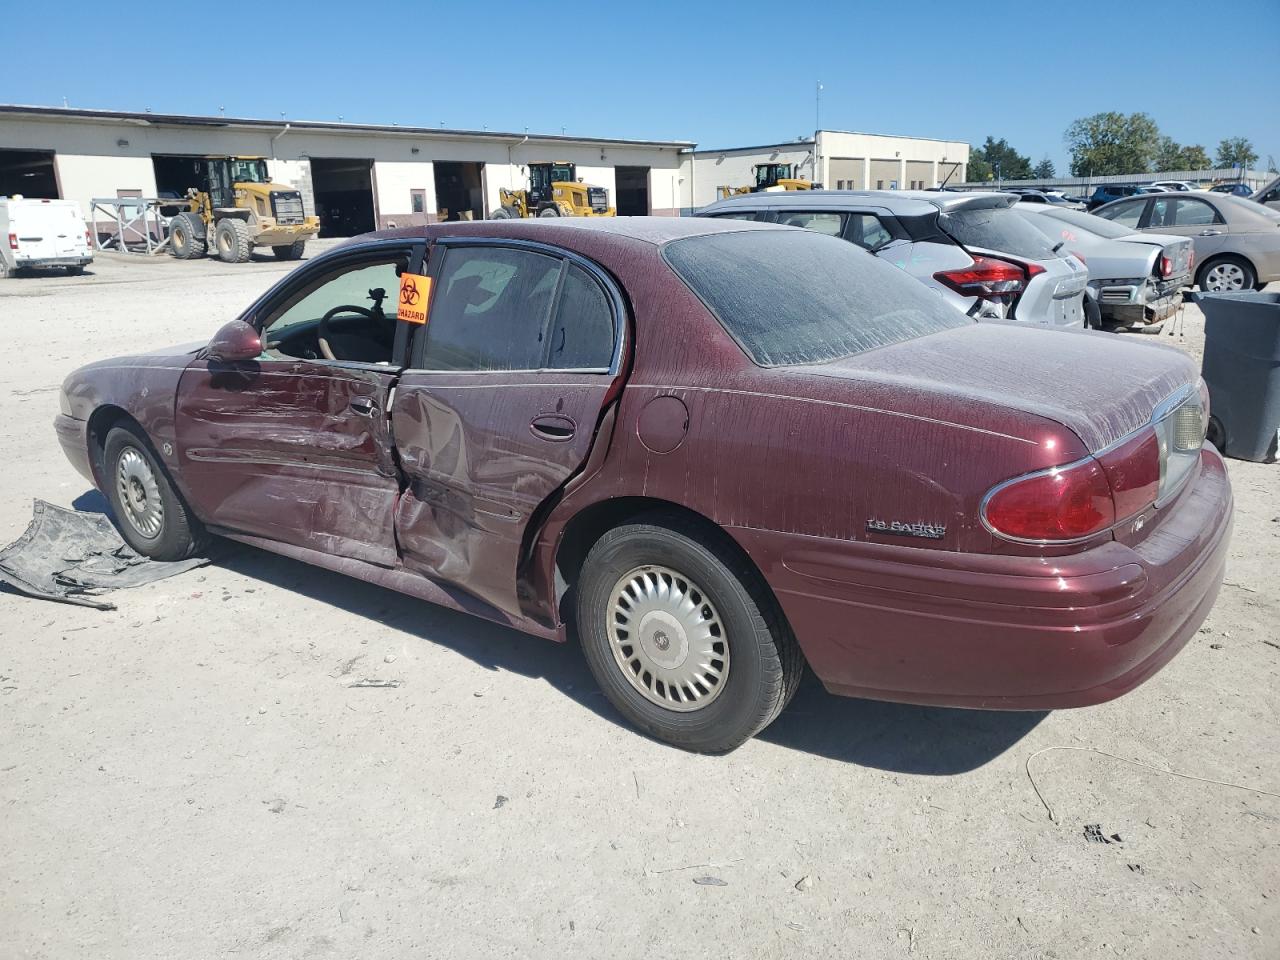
(554, 191)
(770, 177)
(233, 207)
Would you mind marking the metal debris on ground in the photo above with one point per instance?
(1093, 833)
(374, 683)
(500, 802)
(72, 557)
(710, 882)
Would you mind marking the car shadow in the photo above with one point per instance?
(900, 738)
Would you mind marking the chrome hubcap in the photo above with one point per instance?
(667, 638)
(1225, 276)
(139, 493)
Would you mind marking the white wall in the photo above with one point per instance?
(707, 171)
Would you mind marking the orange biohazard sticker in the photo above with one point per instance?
(415, 293)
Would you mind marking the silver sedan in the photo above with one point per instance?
(1237, 241)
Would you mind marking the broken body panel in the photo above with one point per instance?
(472, 489)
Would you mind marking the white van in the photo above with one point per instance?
(42, 233)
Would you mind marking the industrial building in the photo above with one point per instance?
(837, 159)
(361, 177)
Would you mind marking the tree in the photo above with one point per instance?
(1111, 143)
(1045, 170)
(1194, 157)
(979, 170)
(1168, 155)
(1006, 162)
(1235, 150)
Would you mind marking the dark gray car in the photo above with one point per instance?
(1237, 241)
(970, 248)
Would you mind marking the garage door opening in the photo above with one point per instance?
(633, 191)
(459, 191)
(28, 172)
(344, 196)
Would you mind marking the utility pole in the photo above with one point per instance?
(817, 108)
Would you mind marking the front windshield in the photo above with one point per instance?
(249, 171)
(562, 174)
(1088, 222)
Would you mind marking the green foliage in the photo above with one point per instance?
(1235, 150)
(979, 170)
(1194, 157)
(1111, 143)
(1006, 163)
(1044, 170)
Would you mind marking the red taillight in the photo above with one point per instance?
(88, 238)
(1061, 504)
(1166, 267)
(1133, 470)
(13, 241)
(988, 277)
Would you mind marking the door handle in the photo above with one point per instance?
(363, 406)
(552, 427)
(1210, 233)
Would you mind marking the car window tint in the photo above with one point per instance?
(830, 224)
(866, 230)
(489, 310)
(799, 297)
(996, 228)
(582, 333)
(1192, 213)
(1125, 214)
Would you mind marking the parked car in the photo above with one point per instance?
(1177, 186)
(40, 234)
(1045, 197)
(1237, 241)
(1235, 189)
(719, 450)
(1106, 192)
(1269, 196)
(1135, 279)
(970, 248)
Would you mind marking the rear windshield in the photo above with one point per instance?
(998, 229)
(1087, 221)
(794, 296)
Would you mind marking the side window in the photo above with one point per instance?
(582, 333)
(1161, 213)
(1192, 213)
(738, 215)
(866, 230)
(489, 310)
(1125, 214)
(353, 309)
(831, 224)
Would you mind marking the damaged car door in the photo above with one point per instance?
(294, 445)
(520, 355)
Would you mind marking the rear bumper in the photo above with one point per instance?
(37, 262)
(74, 436)
(996, 632)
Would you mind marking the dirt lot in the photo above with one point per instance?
(191, 775)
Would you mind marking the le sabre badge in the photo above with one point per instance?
(415, 296)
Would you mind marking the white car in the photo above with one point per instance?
(1181, 186)
(42, 233)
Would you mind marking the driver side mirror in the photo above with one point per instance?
(235, 341)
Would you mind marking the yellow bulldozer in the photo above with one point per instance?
(769, 177)
(554, 191)
(234, 207)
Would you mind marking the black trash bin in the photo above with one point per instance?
(1242, 368)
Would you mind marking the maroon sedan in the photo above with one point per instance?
(720, 450)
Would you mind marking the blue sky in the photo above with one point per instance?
(722, 74)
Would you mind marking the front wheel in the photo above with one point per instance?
(683, 637)
(290, 251)
(500, 213)
(150, 515)
(1226, 274)
(549, 212)
(232, 239)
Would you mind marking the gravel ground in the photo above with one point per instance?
(192, 776)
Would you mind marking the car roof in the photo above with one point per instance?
(569, 231)
(905, 203)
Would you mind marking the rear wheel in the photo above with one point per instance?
(150, 515)
(1225, 274)
(231, 237)
(1216, 435)
(290, 251)
(502, 213)
(682, 635)
(549, 212)
(187, 237)
(1092, 314)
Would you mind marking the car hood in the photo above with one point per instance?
(1099, 386)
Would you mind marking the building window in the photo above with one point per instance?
(418, 199)
(879, 184)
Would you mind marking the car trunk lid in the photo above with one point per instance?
(1062, 376)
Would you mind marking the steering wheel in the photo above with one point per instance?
(322, 332)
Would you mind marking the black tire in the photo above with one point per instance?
(231, 238)
(74, 271)
(187, 237)
(764, 663)
(179, 535)
(549, 212)
(1092, 314)
(5, 272)
(502, 213)
(1247, 275)
(1216, 435)
(290, 251)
